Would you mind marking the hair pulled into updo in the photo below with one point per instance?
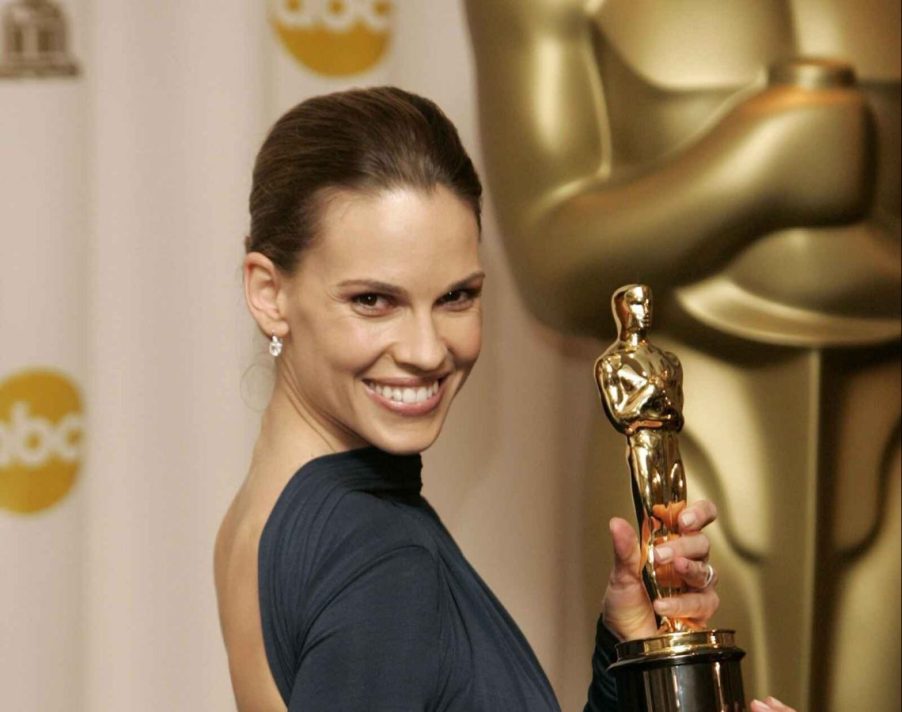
(364, 140)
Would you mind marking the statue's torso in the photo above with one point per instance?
(648, 384)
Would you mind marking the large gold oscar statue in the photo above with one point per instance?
(742, 158)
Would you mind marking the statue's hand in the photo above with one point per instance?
(816, 164)
(627, 611)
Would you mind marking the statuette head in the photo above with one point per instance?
(632, 307)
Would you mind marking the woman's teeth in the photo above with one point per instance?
(406, 395)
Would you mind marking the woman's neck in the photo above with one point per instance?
(288, 439)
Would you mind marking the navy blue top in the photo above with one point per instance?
(367, 603)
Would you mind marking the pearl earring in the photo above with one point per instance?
(275, 346)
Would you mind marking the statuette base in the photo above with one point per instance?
(696, 671)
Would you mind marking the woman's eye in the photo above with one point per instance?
(459, 297)
(371, 301)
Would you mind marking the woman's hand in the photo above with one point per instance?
(627, 611)
(770, 704)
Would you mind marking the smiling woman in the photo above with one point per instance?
(338, 586)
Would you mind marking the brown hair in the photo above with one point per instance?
(363, 139)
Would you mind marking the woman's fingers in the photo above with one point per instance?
(692, 546)
(697, 516)
(687, 555)
(626, 606)
(698, 606)
(696, 574)
(770, 704)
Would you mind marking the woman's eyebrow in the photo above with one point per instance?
(373, 285)
(466, 281)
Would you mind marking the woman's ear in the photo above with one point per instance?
(263, 283)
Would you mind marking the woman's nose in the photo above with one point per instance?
(420, 345)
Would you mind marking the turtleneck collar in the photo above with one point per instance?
(370, 469)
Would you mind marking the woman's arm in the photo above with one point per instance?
(602, 696)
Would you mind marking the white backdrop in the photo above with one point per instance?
(123, 209)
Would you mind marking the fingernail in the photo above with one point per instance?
(759, 705)
(663, 554)
(688, 519)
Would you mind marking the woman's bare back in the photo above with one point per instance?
(235, 570)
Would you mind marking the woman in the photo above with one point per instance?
(338, 587)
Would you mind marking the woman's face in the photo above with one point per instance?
(385, 316)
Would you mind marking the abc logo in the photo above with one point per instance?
(41, 431)
(334, 37)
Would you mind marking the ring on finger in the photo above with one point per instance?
(709, 576)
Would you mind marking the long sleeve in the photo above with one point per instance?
(376, 646)
(603, 689)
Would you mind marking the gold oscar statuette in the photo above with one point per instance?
(641, 386)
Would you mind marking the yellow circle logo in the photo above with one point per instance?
(41, 426)
(334, 37)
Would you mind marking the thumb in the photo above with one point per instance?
(627, 558)
(626, 608)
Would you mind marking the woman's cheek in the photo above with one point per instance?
(467, 340)
(362, 344)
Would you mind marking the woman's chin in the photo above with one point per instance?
(406, 441)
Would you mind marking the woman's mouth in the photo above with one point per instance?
(406, 398)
